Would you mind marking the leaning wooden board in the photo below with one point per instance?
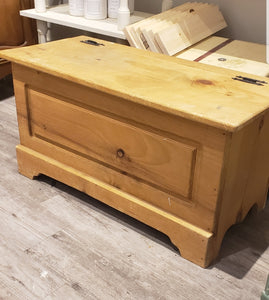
(176, 29)
(230, 54)
(180, 146)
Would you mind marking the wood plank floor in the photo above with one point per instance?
(58, 243)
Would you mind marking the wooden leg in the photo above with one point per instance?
(25, 166)
(194, 243)
(195, 246)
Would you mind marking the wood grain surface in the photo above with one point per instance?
(189, 184)
(58, 243)
(153, 158)
(198, 92)
(229, 54)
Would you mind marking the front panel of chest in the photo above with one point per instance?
(165, 160)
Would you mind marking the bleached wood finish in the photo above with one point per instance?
(201, 22)
(235, 55)
(177, 155)
(132, 31)
(163, 20)
(176, 29)
(148, 31)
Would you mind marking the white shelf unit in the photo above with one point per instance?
(60, 15)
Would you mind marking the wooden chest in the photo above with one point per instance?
(178, 145)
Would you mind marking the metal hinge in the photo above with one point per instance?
(250, 80)
(91, 42)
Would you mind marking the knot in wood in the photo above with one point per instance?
(120, 153)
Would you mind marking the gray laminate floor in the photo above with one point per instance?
(58, 243)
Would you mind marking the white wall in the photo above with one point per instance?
(246, 18)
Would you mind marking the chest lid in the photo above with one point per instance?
(206, 94)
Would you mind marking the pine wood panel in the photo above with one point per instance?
(222, 102)
(201, 22)
(236, 48)
(229, 54)
(176, 29)
(70, 130)
(131, 31)
(153, 158)
(161, 21)
(209, 157)
(92, 251)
